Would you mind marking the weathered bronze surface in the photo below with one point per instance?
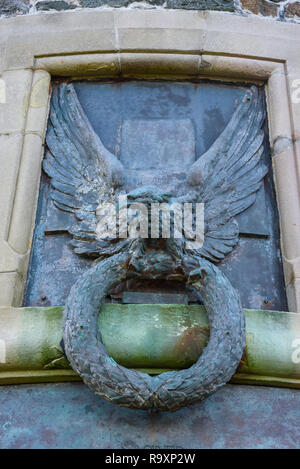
(68, 415)
(156, 109)
(226, 178)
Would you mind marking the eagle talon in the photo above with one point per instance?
(195, 274)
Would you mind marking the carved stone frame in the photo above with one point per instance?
(138, 44)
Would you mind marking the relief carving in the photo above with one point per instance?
(85, 175)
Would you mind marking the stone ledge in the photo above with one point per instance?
(32, 338)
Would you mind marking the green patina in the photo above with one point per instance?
(152, 338)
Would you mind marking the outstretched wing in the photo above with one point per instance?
(227, 177)
(83, 172)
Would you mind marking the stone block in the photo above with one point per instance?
(38, 103)
(24, 209)
(292, 10)
(155, 65)
(84, 65)
(10, 155)
(14, 7)
(268, 8)
(221, 5)
(288, 202)
(250, 5)
(278, 109)
(14, 110)
(57, 5)
(11, 289)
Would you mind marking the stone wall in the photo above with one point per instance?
(286, 10)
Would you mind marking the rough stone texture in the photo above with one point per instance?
(268, 8)
(57, 5)
(263, 7)
(225, 5)
(13, 7)
(278, 9)
(292, 10)
(251, 5)
(116, 3)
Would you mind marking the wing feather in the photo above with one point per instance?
(83, 172)
(227, 177)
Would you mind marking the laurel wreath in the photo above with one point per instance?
(170, 390)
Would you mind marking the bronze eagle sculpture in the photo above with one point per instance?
(85, 175)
